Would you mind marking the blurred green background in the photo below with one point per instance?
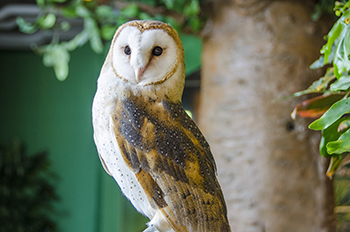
(46, 114)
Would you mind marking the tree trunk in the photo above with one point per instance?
(254, 53)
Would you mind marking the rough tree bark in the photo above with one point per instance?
(272, 176)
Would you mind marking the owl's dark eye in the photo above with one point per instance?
(127, 50)
(157, 51)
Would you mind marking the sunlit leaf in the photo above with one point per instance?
(318, 63)
(315, 107)
(47, 21)
(333, 35)
(341, 59)
(341, 145)
(337, 110)
(342, 84)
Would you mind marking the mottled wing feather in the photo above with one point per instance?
(172, 161)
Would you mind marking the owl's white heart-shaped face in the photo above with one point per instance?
(144, 57)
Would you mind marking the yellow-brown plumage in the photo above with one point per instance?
(165, 157)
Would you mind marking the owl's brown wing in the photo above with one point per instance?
(172, 161)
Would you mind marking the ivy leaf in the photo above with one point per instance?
(337, 110)
(341, 145)
(342, 84)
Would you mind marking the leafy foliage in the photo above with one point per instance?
(100, 22)
(334, 104)
(26, 194)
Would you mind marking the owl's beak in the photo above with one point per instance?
(138, 73)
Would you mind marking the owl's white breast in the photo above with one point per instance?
(105, 140)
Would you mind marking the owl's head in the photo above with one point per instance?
(147, 53)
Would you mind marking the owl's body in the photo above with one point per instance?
(145, 139)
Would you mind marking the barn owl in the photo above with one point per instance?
(145, 139)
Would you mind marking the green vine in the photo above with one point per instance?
(100, 22)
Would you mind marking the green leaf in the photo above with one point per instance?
(131, 11)
(94, 35)
(337, 110)
(107, 31)
(40, 2)
(342, 84)
(192, 9)
(195, 24)
(172, 22)
(69, 12)
(169, 4)
(47, 21)
(145, 16)
(318, 63)
(328, 135)
(65, 26)
(320, 85)
(78, 41)
(341, 145)
(104, 11)
(26, 27)
(333, 35)
(82, 11)
(342, 53)
(57, 56)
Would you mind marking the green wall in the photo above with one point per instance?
(55, 116)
